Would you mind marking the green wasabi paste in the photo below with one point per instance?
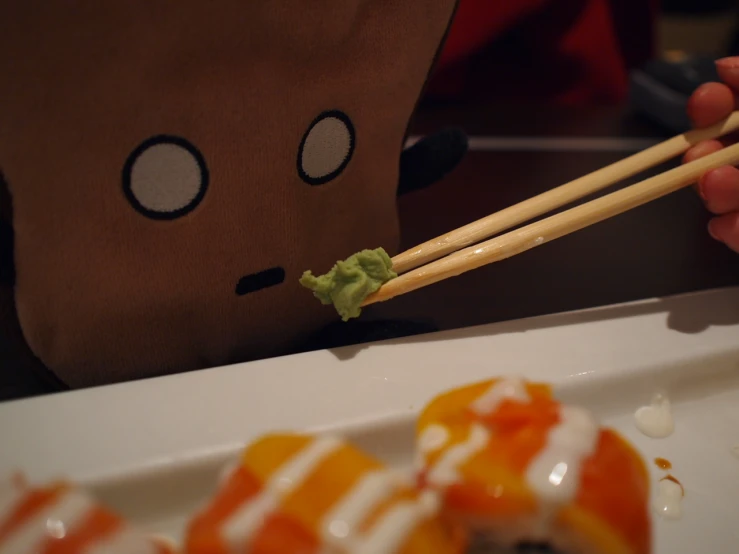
(351, 281)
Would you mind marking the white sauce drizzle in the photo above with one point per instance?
(54, 521)
(489, 401)
(338, 527)
(126, 541)
(239, 529)
(655, 420)
(432, 438)
(668, 500)
(554, 475)
(445, 471)
(392, 530)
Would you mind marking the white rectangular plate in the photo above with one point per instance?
(153, 449)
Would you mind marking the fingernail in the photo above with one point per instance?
(701, 189)
(732, 62)
(712, 230)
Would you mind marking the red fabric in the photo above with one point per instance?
(561, 51)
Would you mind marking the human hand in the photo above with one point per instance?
(719, 188)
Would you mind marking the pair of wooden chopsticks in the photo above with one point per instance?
(444, 259)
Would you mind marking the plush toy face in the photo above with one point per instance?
(175, 166)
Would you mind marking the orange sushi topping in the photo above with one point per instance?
(505, 450)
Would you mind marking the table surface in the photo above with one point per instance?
(656, 250)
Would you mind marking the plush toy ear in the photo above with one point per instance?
(430, 159)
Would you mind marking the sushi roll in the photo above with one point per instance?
(61, 519)
(303, 494)
(516, 467)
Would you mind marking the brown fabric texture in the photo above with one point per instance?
(105, 292)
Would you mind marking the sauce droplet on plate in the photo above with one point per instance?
(674, 480)
(662, 463)
(655, 420)
(668, 500)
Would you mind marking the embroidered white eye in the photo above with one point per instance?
(326, 148)
(165, 177)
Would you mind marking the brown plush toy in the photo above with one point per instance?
(174, 167)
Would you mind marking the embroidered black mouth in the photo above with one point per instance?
(261, 280)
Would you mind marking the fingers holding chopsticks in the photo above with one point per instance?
(712, 102)
(718, 188)
(725, 228)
